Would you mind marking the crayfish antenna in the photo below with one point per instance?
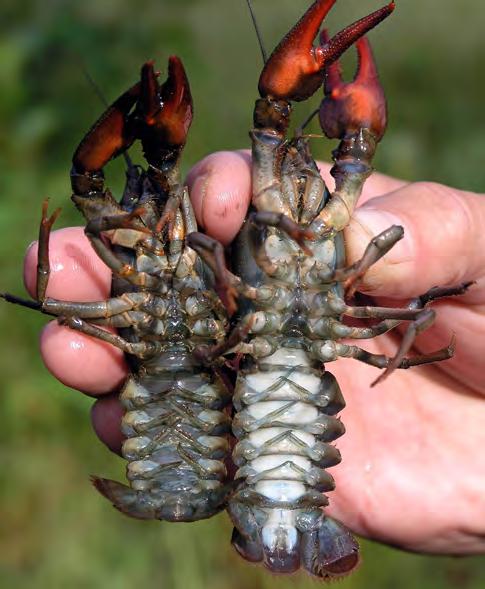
(295, 69)
(264, 54)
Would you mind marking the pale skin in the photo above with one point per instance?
(413, 469)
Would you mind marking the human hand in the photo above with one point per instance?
(413, 470)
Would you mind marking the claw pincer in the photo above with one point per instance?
(296, 69)
(349, 107)
(164, 113)
(108, 137)
(158, 116)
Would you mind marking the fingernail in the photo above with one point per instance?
(30, 246)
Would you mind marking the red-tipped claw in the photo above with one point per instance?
(164, 113)
(295, 69)
(109, 136)
(360, 104)
(161, 121)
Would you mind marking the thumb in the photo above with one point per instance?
(443, 244)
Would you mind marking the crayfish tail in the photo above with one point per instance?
(162, 505)
(123, 498)
(330, 551)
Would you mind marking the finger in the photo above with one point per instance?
(220, 189)
(81, 362)
(106, 414)
(77, 274)
(443, 244)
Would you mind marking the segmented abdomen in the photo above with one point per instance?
(286, 418)
(175, 423)
(176, 441)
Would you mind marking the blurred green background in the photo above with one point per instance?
(55, 531)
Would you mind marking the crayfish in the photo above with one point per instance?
(175, 423)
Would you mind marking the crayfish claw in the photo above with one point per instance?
(164, 113)
(339, 43)
(292, 72)
(333, 71)
(360, 104)
(295, 69)
(109, 136)
(149, 104)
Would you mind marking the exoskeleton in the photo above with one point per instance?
(170, 321)
(290, 273)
